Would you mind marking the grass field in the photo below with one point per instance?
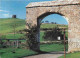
(7, 25)
(12, 36)
(53, 47)
(72, 55)
(8, 52)
(7, 29)
(17, 36)
(52, 25)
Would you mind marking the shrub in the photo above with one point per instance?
(53, 34)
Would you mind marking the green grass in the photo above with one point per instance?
(41, 36)
(52, 25)
(7, 25)
(52, 47)
(7, 53)
(72, 55)
(11, 36)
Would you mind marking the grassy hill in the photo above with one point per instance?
(7, 25)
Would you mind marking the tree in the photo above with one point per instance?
(52, 22)
(55, 23)
(53, 34)
(47, 21)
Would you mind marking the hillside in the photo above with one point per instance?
(7, 25)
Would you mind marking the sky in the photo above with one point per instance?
(18, 7)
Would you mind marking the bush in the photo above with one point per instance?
(53, 34)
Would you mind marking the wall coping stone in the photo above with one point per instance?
(51, 3)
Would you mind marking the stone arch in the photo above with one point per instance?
(42, 16)
(70, 9)
(48, 13)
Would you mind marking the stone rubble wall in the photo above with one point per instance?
(69, 9)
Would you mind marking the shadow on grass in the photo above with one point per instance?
(44, 52)
(52, 52)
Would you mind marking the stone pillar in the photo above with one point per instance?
(74, 31)
(31, 24)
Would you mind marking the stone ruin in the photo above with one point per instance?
(13, 16)
(70, 9)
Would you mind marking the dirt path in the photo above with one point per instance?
(47, 55)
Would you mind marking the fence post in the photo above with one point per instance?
(17, 43)
(64, 45)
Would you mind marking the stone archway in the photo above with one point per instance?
(70, 9)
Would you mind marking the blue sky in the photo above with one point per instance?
(17, 7)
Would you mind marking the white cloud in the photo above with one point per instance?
(3, 11)
(4, 14)
(7, 15)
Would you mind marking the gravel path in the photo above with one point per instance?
(47, 55)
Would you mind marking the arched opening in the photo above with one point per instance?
(51, 32)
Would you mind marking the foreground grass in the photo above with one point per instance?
(8, 53)
(52, 47)
(72, 55)
(18, 53)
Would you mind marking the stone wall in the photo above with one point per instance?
(70, 9)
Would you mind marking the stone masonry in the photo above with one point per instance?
(70, 9)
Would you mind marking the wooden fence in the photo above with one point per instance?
(12, 42)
